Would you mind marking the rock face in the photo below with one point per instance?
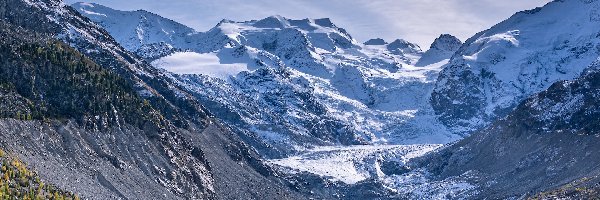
(377, 41)
(548, 141)
(498, 68)
(288, 84)
(45, 80)
(121, 162)
(442, 48)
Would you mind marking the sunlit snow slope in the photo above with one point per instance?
(498, 68)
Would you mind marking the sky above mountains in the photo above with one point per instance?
(418, 21)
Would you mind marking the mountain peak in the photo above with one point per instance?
(225, 21)
(446, 42)
(325, 22)
(401, 46)
(441, 49)
(135, 29)
(280, 22)
(557, 39)
(376, 41)
(91, 9)
(275, 21)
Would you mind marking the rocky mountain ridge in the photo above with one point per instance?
(548, 141)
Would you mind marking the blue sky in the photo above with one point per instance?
(419, 21)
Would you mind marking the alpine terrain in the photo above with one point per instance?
(99, 103)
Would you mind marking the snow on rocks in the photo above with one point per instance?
(308, 76)
(442, 48)
(498, 68)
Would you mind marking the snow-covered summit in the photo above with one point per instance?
(321, 33)
(406, 49)
(525, 54)
(446, 42)
(136, 30)
(401, 46)
(442, 48)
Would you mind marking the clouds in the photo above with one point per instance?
(418, 21)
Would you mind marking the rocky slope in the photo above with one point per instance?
(543, 146)
(103, 105)
(585, 188)
(68, 85)
(99, 121)
(17, 181)
(548, 141)
(496, 69)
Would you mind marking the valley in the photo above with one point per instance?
(109, 104)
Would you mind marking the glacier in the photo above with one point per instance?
(369, 94)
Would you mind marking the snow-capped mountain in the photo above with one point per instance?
(498, 68)
(544, 146)
(144, 33)
(442, 48)
(548, 141)
(298, 83)
(279, 108)
(344, 89)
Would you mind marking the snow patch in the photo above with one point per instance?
(87, 12)
(196, 63)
